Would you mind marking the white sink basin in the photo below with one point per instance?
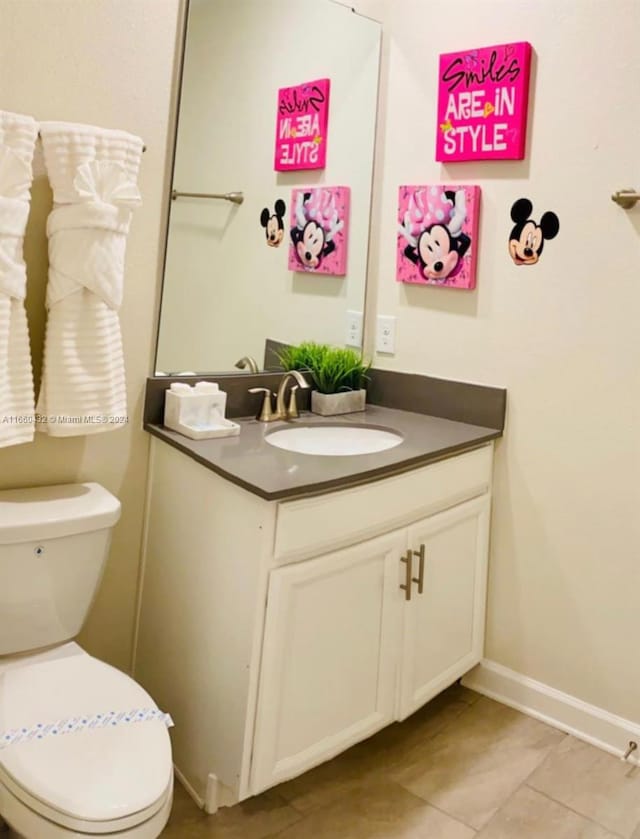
(335, 440)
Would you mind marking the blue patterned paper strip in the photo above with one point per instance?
(74, 724)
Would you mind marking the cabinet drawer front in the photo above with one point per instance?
(312, 526)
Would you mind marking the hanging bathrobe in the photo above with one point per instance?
(18, 136)
(93, 174)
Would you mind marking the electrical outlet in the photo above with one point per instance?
(354, 329)
(386, 334)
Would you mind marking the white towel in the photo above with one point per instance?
(93, 173)
(18, 135)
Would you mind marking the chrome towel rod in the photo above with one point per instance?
(626, 198)
(234, 197)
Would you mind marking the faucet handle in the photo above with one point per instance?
(266, 412)
(292, 410)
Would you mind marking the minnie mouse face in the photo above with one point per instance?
(527, 238)
(310, 247)
(274, 224)
(437, 253)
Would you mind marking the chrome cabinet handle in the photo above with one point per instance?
(406, 586)
(420, 578)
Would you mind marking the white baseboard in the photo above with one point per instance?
(217, 794)
(586, 722)
(197, 799)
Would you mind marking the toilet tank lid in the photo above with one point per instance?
(51, 512)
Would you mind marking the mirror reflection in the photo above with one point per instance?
(282, 255)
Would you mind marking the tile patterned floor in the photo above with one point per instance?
(463, 767)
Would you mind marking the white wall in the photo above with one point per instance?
(108, 63)
(562, 336)
(225, 290)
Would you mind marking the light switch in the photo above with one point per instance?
(354, 329)
(386, 334)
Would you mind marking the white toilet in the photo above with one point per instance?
(70, 775)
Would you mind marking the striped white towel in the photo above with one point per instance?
(93, 173)
(18, 135)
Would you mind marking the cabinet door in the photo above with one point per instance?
(329, 658)
(444, 625)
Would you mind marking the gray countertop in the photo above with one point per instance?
(275, 474)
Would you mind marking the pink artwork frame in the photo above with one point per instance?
(438, 235)
(483, 101)
(302, 126)
(319, 230)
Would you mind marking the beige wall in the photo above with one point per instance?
(563, 336)
(109, 63)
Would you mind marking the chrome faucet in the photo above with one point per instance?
(247, 361)
(292, 411)
(282, 411)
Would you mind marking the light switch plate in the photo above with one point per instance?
(386, 334)
(354, 329)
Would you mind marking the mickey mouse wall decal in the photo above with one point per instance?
(273, 223)
(527, 238)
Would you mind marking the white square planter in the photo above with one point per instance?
(331, 404)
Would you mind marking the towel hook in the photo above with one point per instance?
(626, 198)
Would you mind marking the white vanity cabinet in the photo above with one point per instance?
(347, 649)
(278, 634)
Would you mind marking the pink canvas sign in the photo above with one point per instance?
(438, 235)
(301, 126)
(482, 103)
(319, 229)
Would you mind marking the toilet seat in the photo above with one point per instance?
(100, 780)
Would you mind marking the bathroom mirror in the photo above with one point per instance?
(228, 285)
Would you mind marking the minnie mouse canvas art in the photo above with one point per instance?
(319, 220)
(437, 232)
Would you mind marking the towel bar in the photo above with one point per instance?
(234, 197)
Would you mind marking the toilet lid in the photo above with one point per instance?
(93, 775)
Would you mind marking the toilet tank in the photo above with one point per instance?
(54, 543)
